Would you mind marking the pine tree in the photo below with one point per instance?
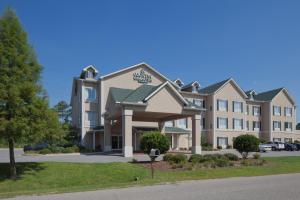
(24, 108)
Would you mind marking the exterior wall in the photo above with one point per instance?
(250, 117)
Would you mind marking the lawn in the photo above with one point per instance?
(51, 177)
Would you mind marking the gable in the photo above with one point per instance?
(283, 98)
(230, 91)
(165, 100)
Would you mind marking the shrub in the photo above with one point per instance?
(245, 144)
(195, 158)
(213, 157)
(222, 162)
(56, 149)
(154, 140)
(219, 147)
(45, 151)
(256, 156)
(176, 158)
(207, 147)
(231, 156)
(168, 157)
(229, 147)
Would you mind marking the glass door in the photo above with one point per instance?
(116, 142)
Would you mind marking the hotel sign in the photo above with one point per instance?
(142, 77)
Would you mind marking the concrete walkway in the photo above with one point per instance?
(279, 187)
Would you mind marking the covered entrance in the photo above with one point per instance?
(147, 103)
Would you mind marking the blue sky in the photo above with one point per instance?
(255, 42)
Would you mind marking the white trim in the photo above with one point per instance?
(90, 66)
(135, 66)
(161, 87)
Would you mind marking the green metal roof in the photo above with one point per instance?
(119, 94)
(140, 93)
(176, 130)
(268, 95)
(213, 88)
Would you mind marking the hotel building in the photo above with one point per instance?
(113, 111)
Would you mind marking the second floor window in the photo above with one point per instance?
(199, 102)
(237, 107)
(203, 123)
(91, 118)
(277, 126)
(237, 124)
(256, 111)
(288, 112)
(256, 126)
(90, 94)
(277, 110)
(288, 126)
(222, 105)
(222, 123)
(182, 123)
(169, 124)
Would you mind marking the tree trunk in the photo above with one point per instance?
(13, 170)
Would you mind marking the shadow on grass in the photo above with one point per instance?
(22, 168)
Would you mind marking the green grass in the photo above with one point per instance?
(51, 177)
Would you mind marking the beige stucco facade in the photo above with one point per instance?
(110, 115)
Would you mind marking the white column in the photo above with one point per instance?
(127, 133)
(196, 134)
(161, 127)
(107, 135)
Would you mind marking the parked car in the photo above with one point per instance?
(35, 147)
(264, 147)
(290, 147)
(277, 146)
(297, 145)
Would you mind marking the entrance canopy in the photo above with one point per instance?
(150, 103)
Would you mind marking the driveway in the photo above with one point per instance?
(106, 158)
(279, 187)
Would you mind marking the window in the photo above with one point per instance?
(288, 112)
(276, 139)
(237, 107)
(222, 105)
(237, 124)
(199, 102)
(276, 126)
(182, 123)
(222, 142)
(195, 89)
(277, 110)
(256, 111)
(222, 123)
(247, 126)
(169, 124)
(90, 94)
(91, 118)
(247, 111)
(288, 126)
(203, 123)
(256, 126)
(288, 140)
(89, 74)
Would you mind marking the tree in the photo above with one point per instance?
(64, 112)
(245, 144)
(154, 140)
(24, 108)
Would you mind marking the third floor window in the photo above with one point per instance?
(222, 105)
(90, 94)
(237, 107)
(288, 111)
(256, 110)
(276, 110)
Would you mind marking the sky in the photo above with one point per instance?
(255, 42)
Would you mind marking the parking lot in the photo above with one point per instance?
(106, 158)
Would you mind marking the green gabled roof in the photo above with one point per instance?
(176, 130)
(119, 94)
(213, 88)
(140, 93)
(268, 95)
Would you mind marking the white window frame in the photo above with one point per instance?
(240, 110)
(256, 126)
(200, 101)
(219, 119)
(91, 118)
(275, 128)
(289, 126)
(237, 121)
(219, 101)
(276, 113)
(93, 92)
(256, 110)
(288, 114)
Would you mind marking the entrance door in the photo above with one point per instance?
(116, 142)
(223, 142)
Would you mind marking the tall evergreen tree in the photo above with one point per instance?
(64, 112)
(24, 109)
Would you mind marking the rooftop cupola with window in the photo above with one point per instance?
(178, 82)
(251, 94)
(89, 72)
(193, 87)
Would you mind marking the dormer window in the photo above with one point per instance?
(194, 89)
(89, 74)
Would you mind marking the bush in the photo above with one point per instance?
(213, 157)
(175, 158)
(56, 149)
(45, 151)
(219, 147)
(222, 162)
(195, 158)
(229, 147)
(154, 140)
(231, 156)
(256, 156)
(245, 144)
(207, 147)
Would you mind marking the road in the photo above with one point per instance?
(104, 158)
(278, 187)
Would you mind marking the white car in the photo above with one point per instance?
(265, 147)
